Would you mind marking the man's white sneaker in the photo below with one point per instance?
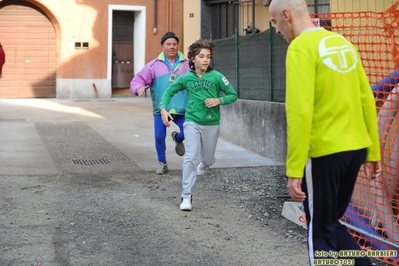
(186, 202)
(162, 168)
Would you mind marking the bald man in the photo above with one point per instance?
(330, 134)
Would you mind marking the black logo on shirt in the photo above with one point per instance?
(201, 84)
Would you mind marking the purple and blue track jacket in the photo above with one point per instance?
(158, 75)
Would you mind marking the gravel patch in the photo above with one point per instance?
(260, 190)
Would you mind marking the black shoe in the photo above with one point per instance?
(179, 148)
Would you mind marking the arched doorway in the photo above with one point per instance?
(29, 40)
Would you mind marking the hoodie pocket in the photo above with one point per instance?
(211, 115)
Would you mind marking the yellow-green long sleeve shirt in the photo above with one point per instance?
(330, 107)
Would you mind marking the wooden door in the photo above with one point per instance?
(122, 51)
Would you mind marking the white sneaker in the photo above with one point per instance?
(201, 169)
(162, 168)
(186, 202)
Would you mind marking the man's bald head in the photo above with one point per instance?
(289, 17)
(297, 7)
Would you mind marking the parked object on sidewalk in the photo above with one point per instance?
(2, 60)
(293, 211)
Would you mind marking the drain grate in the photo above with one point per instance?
(90, 162)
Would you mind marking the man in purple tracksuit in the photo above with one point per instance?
(158, 75)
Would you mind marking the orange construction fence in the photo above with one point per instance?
(373, 215)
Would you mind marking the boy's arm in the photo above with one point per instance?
(231, 95)
(167, 95)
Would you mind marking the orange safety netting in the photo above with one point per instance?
(373, 215)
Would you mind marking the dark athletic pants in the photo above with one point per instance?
(160, 135)
(328, 183)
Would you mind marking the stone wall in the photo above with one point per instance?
(258, 126)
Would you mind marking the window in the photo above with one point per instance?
(318, 6)
(224, 17)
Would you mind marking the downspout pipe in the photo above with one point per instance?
(253, 16)
(155, 15)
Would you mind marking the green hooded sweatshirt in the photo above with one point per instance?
(199, 89)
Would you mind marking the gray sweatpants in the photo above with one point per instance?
(200, 143)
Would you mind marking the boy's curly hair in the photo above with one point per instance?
(196, 47)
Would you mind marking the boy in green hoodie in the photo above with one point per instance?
(202, 125)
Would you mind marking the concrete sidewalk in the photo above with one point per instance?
(41, 136)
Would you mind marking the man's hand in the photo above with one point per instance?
(295, 190)
(166, 117)
(373, 170)
(212, 102)
(142, 90)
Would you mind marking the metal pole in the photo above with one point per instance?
(236, 44)
(361, 231)
(155, 16)
(253, 16)
(271, 62)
